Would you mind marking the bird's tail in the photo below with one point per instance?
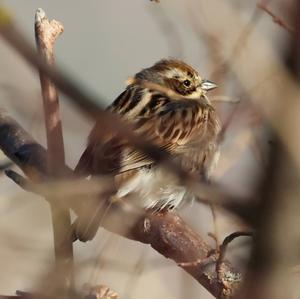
(84, 165)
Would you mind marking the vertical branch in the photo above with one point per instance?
(46, 34)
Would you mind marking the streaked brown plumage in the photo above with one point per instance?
(167, 104)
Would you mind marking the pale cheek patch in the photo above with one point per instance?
(196, 94)
(176, 72)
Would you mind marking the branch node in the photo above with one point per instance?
(47, 31)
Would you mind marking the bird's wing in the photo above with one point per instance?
(167, 123)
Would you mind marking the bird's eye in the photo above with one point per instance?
(187, 83)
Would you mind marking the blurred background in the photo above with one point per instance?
(105, 42)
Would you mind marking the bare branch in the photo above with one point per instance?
(46, 33)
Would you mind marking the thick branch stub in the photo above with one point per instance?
(46, 31)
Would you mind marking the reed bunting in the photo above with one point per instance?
(166, 103)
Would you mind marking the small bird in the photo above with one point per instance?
(166, 103)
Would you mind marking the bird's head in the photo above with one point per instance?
(178, 76)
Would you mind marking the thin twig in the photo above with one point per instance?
(46, 33)
(210, 259)
(222, 253)
(275, 18)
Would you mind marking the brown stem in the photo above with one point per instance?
(46, 33)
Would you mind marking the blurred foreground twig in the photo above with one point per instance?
(275, 18)
(166, 233)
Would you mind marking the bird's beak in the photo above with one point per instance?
(208, 85)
